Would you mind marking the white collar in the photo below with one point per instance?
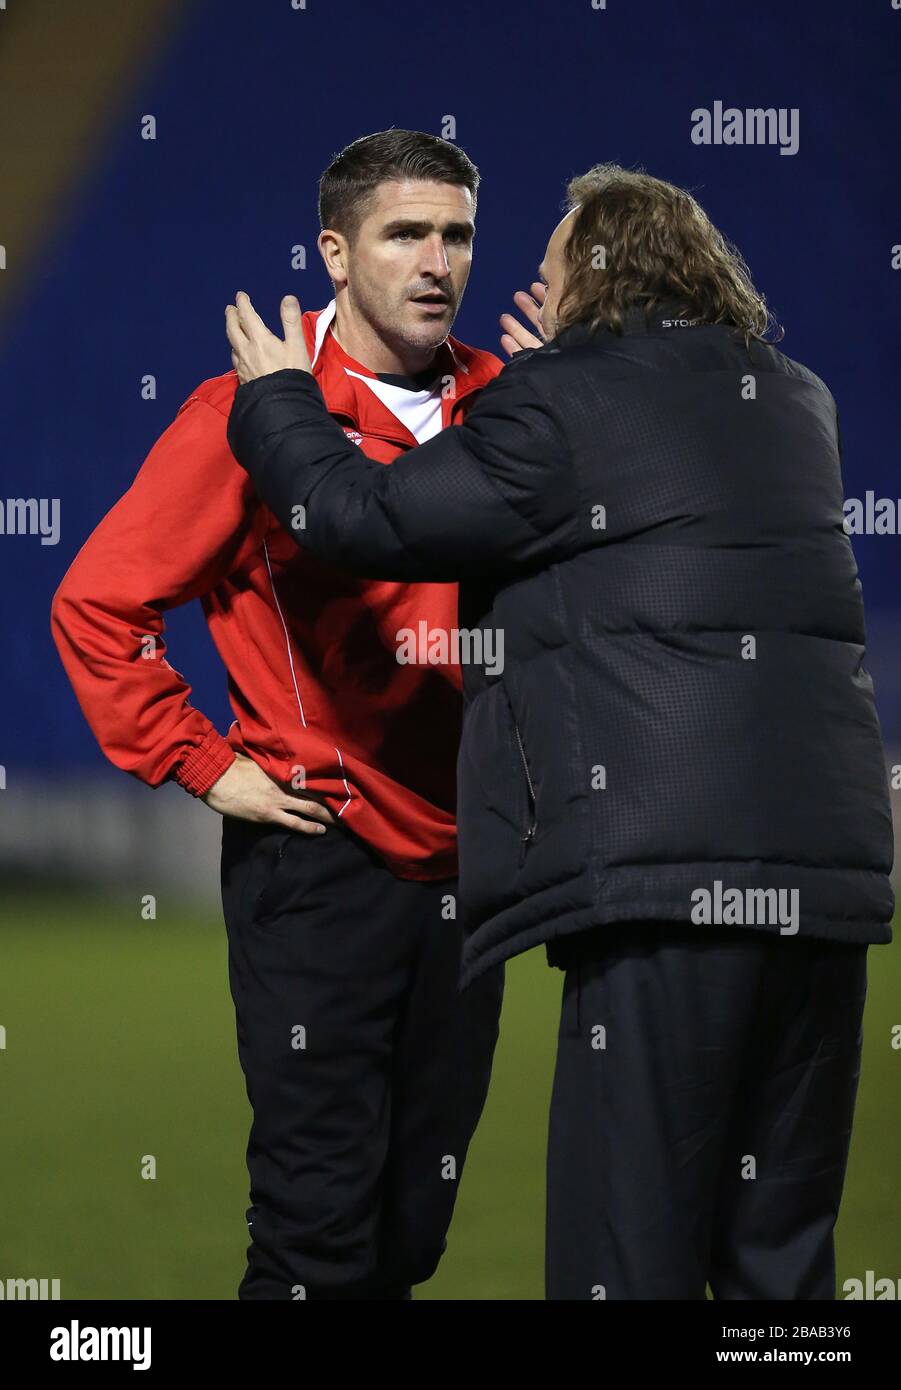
(322, 324)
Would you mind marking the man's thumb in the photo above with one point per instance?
(295, 342)
(291, 319)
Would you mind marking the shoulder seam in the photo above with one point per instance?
(202, 400)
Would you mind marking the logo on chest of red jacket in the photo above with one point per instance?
(354, 436)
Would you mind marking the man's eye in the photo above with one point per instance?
(402, 236)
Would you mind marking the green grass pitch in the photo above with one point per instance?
(119, 1042)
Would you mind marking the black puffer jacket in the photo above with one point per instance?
(654, 523)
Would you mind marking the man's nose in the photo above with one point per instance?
(434, 258)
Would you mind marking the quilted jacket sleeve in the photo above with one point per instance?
(490, 496)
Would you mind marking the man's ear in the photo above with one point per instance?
(333, 249)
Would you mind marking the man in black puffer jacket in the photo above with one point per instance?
(674, 778)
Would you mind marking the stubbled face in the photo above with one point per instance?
(407, 267)
(553, 272)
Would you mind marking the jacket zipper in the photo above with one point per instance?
(530, 832)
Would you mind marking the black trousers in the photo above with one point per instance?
(366, 1068)
(701, 1113)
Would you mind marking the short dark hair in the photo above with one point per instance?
(347, 186)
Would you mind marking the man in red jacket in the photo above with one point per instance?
(366, 1069)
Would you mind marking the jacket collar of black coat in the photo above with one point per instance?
(670, 314)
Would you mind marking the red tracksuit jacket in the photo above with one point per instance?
(319, 698)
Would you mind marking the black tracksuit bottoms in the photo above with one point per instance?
(366, 1067)
(701, 1114)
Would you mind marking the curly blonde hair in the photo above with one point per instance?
(637, 241)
